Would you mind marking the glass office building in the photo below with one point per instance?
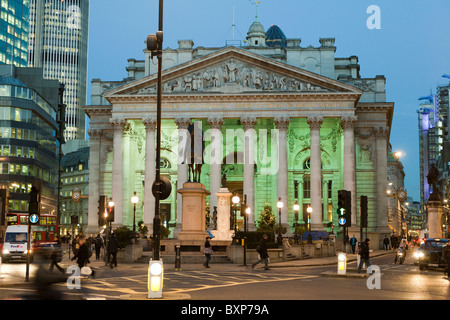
(58, 44)
(14, 24)
(28, 144)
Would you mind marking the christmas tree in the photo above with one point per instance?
(266, 221)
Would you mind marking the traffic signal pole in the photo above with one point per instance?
(157, 218)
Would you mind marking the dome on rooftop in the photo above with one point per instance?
(275, 37)
(255, 28)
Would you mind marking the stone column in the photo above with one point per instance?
(94, 180)
(249, 167)
(215, 159)
(348, 124)
(150, 171)
(182, 172)
(282, 124)
(316, 173)
(382, 181)
(117, 170)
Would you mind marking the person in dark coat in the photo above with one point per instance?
(98, 243)
(365, 252)
(113, 247)
(208, 252)
(353, 242)
(82, 254)
(262, 250)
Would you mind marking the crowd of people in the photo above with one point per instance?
(83, 248)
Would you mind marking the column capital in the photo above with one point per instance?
(215, 122)
(315, 122)
(183, 122)
(248, 121)
(348, 122)
(149, 123)
(282, 122)
(95, 134)
(118, 124)
(380, 132)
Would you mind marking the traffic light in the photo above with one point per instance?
(348, 208)
(111, 210)
(101, 210)
(342, 196)
(344, 210)
(363, 204)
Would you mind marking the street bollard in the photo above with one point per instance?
(342, 263)
(178, 257)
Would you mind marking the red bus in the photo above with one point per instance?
(45, 231)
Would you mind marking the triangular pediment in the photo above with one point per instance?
(233, 70)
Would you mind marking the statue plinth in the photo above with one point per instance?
(193, 211)
(223, 231)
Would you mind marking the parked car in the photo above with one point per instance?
(429, 255)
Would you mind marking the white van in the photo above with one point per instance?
(15, 244)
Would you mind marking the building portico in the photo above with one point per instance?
(292, 134)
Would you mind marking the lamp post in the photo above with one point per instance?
(235, 201)
(247, 213)
(134, 200)
(107, 221)
(296, 209)
(309, 210)
(280, 237)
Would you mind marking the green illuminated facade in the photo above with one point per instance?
(318, 127)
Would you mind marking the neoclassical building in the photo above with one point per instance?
(311, 124)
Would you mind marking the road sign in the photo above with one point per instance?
(342, 221)
(34, 218)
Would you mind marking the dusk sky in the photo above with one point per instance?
(411, 49)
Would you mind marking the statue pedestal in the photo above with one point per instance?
(434, 222)
(193, 211)
(223, 231)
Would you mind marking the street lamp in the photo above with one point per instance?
(296, 210)
(235, 201)
(108, 214)
(280, 237)
(134, 200)
(247, 213)
(309, 210)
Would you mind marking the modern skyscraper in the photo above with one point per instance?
(59, 44)
(14, 17)
(28, 145)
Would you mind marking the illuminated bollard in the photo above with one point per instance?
(178, 257)
(155, 279)
(342, 263)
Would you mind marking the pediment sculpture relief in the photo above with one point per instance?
(243, 76)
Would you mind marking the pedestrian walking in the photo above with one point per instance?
(207, 250)
(365, 253)
(82, 254)
(353, 242)
(263, 255)
(98, 243)
(386, 243)
(113, 247)
(90, 243)
(56, 256)
(446, 255)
